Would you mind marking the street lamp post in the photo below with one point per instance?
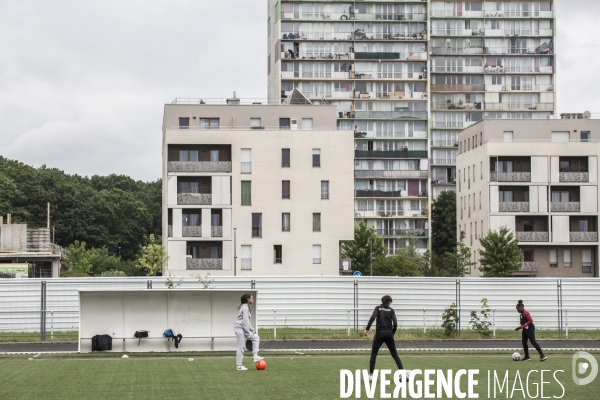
(371, 255)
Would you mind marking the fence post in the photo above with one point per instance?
(252, 284)
(566, 323)
(51, 325)
(559, 301)
(43, 311)
(356, 305)
(424, 326)
(348, 317)
(274, 323)
(457, 294)
(494, 323)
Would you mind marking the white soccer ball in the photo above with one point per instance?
(516, 357)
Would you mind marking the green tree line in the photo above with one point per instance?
(115, 212)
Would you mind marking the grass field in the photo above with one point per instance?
(288, 375)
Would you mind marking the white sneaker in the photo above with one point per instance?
(257, 358)
(370, 377)
(241, 368)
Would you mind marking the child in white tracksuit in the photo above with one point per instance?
(244, 331)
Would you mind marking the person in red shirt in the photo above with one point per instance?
(528, 332)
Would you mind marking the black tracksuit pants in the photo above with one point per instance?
(386, 337)
(529, 334)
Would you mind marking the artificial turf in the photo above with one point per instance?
(288, 375)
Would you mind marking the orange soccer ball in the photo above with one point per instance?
(261, 364)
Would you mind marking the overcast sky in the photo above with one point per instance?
(83, 83)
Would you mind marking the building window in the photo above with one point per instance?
(285, 158)
(553, 258)
(277, 254)
(316, 222)
(209, 123)
(246, 167)
(585, 136)
(256, 225)
(480, 199)
(285, 222)
(255, 123)
(246, 257)
(316, 157)
(284, 123)
(285, 189)
(586, 261)
(184, 123)
(188, 219)
(324, 189)
(188, 155)
(246, 193)
(316, 254)
(214, 156)
(307, 124)
(508, 136)
(567, 258)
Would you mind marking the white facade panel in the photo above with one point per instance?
(172, 190)
(494, 200)
(216, 190)
(497, 221)
(539, 169)
(593, 168)
(554, 169)
(560, 229)
(542, 198)
(227, 255)
(589, 199)
(176, 250)
(225, 190)
(177, 222)
(533, 199)
(206, 223)
(227, 232)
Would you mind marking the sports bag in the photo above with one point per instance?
(140, 334)
(170, 335)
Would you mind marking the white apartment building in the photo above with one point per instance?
(255, 189)
(540, 179)
(407, 76)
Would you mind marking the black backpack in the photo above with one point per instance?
(140, 334)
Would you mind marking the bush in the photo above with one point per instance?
(480, 323)
(450, 320)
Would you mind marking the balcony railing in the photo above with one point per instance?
(216, 231)
(191, 231)
(378, 193)
(457, 88)
(574, 177)
(256, 231)
(446, 105)
(443, 161)
(444, 143)
(390, 213)
(316, 260)
(472, 69)
(391, 55)
(519, 14)
(519, 32)
(390, 114)
(194, 199)
(203, 263)
(246, 264)
(533, 236)
(390, 134)
(565, 206)
(456, 32)
(402, 232)
(500, 69)
(519, 88)
(518, 50)
(514, 206)
(528, 266)
(390, 154)
(453, 124)
(378, 173)
(332, 16)
(452, 13)
(510, 176)
(583, 236)
(457, 50)
(199, 166)
(519, 106)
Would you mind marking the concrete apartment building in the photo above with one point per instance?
(540, 179)
(407, 76)
(255, 189)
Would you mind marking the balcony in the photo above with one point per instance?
(456, 32)
(402, 232)
(216, 231)
(583, 236)
(444, 143)
(203, 263)
(519, 88)
(390, 114)
(533, 236)
(468, 69)
(457, 50)
(499, 69)
(388, 134)
(199, 166)
(390, 213)
(519, 14)
(574, 177)
(449, 105)
(443, 161)
(191, 231)
(514, 206)
(352, 16)
(453, 124)
(528, 266)
(570, 206)
(458, 88)
(390, 55)
(390, 154)
(510, 176)
(378, 193)
(194, 199)
(378, 173)
(519, 106)
(453, 13)
(540, 50)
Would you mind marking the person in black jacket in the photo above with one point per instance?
(385, 328)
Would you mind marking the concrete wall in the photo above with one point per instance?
(13, 237)
(192, 313)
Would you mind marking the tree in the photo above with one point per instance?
(400, 264)
(443, 224)
(457, 263)
(359, 250)
(91, 262)
(153, 257)
(500, 256)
